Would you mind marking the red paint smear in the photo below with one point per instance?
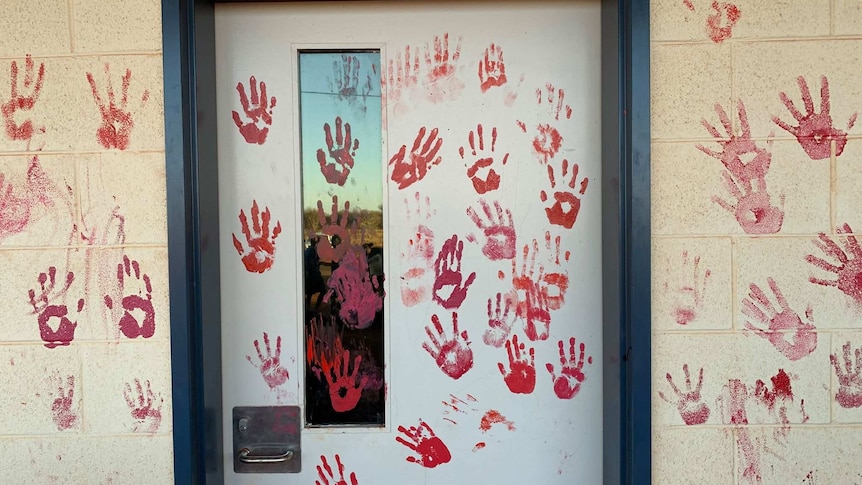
(450, 286)
(48, 304)
(567, 205)
(422, 157)
(501, 275)
(547, 142)
(326, 472)
(815, 131)
(492, 69)
(689, 402)
(358, 292)
(430, 450)
(750, 455)
(499, 229)
(479, 446)
(260, 254)
(719, 25)
(847, 269)
(568, 383)
(117, 122)
(521, 376)
(270, 365)
(849, 393)
(521, 125)
(137, 300)
(322, 346)
(61, 409)
(493, 417)
(20, 102)
(796, 345)
(143, 407)
(258, 110)
(688, 4)
(452, 355)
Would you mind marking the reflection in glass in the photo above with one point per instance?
(342, 194)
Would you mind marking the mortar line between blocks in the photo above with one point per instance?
(833, 186)
(733, 282)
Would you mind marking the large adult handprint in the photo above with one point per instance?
(450, 287)
(341, 151)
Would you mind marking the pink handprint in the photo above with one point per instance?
(421, 160)
(450, 287)
(735, 147)
(270, 365)
(330, 475)
(338, 230)
(499, 321)
(492, 69)
(441, 82)
(257, 111)
(430, 449)
(403, 75)
(815, 131)
(117, 122)
(261, 248)
(849, 393)
(61, 408)
(342, 151)
(521, 377)
(802, 339)
(47, 307)
(567, 205)
(752, 209)
(848, 271)
(568, 383)
(358, 293)
(692, 292)
(483, 159)
(689, 403)
(143, 407)
(344, 391)
(20, 102)
(499, 233)
(452, 355)
(719, 25)
(418, 278)
(139, 316)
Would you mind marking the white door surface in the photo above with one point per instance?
(410, 237)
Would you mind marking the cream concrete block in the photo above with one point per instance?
(764, 70)
(128, 187)
(40, 392)
(117, 25)
(846, 382)
(847, 15)
(685, 82)
(71, 117)
(39, 198)
(848, 185)
(34, 26)
(54, 315)
(113, 408)
(784, 260)
(691, 284)
(735, 356)
(695, 456)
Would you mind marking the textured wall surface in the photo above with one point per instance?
(757, 277)
(84, 323)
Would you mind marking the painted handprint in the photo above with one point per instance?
(548, 140)
(61, 407)
(441, 81)
(555, 282)
(720, 23)
(814, 131)
(258, 111)
(521, 376)
(691, 294)
(483, 159)
(341, 151)
(452, 354)
(139, 316)
(421, 159)
(752, 206)
(344, 390)
(270, 365)
(492, 69)
(567, 204)
(568, 383)
(848, 271)
(418, 258)
(849, 393)
(20, 101)
(689, 402)
(327, 475)
(144, 406)
(532, 292)
(499, 231)
(403, 75)
(736, 147)
(261, 247)
(430, 450)
(49, 304)
(338, 231)
(358, 294)
(450, 286)
(499, 321)
(786, 332)
(117, 122)
(345, 81)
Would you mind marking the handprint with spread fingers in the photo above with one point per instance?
(23, 131)
(139, 316)
(735, 148)
(144, 406)
(492, 69)
(327, 475)
(344, 390)
(338, 229)
(786, 332)
(568, 383)
(500, 240)
(450, 286)
(752, 206)
(849, 393)
(270, 365)
(117, 123)
(482, 156)
(689, 402)
(452, 354)
(260, 254)
(49, 305)
(441, 81)
(521, 376)
(430, 450)
(341, 150)
(258, 110)
(499, 321)
(408, 169)
(567, 204)
(847, 266)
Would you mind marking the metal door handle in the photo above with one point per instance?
(245, 456)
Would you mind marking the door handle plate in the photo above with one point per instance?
(267, 439)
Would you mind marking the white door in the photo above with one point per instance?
(452, 334)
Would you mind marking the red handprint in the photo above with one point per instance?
(330, 475)
(521, 377)
(403, 74)
(692, 292)
(548, 139)
(558, 280)
(20, 102)
(339, 232)
(567, 385)
(342, 151)
(257, 111)
(261, 248)
(849, 393)
(796, 345)
(531, 291)
(483, 160)
(270, 365)
(556, 101)
(452, 355)
(753, 209)
(689, 403)
(418, 278)
(492, 69)
(139, 317)
(815, 131)
(357, 292)
(46, 310)
(848, 272)
(557, 214)
(117, 122)
(499, 234)
(450, 287)
(344, 391)
(430, 450)
(499, 322)
(719, 25)
(143, 407)
(441, 82)
(61, 408)
(735, 147)
(406, 173)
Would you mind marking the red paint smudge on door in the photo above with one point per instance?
(270, 364)
(719, 24)
(567, 205)
(260, 254)
(521, 375)
(451, 354)
(847, 269)
(258, 111)
(796, 345)
(689, 402)
(49, 304)
(479, 446)
(493, 417)
(139, 316)
(849, 393)
(19, 102)
(117, 122)
(430, 451)
(499, 229)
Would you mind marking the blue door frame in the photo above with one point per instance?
(188, 36)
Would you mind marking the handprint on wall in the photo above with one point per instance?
(847, 269)
(55, 327)
(492, 69)
(690, 296)
(417, 279)
(689, 402)
(117, 123)
(500, 321)
(450, 285)
(402, 77)
(849, 393)
(786, 332)
(21, 102)
(327, 475)
(521, 375)
(62, 412)
(499, 231)
(568, 383)
(145, 407)
(138, 315)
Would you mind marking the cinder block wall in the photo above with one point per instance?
(82, 226)
(755, 279)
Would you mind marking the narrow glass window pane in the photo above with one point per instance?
(342, 195)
